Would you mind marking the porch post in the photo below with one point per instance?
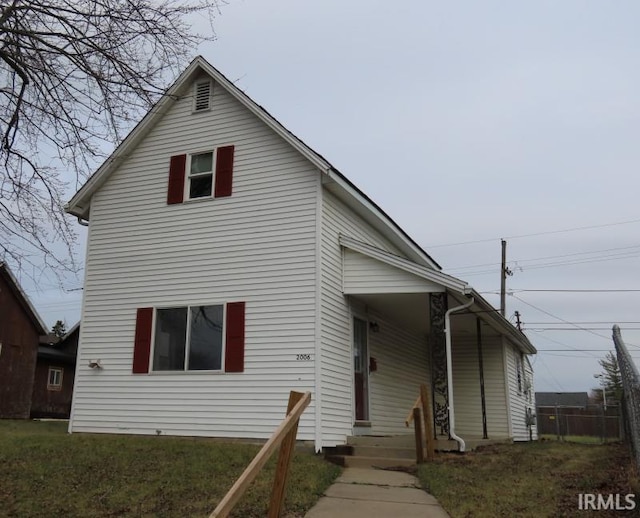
(439, 390)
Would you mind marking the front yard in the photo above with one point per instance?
(46, 472)
(539, 479)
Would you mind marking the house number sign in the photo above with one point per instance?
(303, 357)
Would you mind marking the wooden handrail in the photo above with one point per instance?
(240, 486)
(410, 417)
(422, 418)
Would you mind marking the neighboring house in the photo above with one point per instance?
(228, 263)
(577, 400)
(20, 329)
(54, 375)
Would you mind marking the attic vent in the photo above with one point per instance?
(202, 96)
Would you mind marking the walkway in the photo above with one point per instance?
(373, 493)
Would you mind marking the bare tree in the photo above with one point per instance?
(74, 75)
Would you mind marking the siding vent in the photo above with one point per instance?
(202, 96)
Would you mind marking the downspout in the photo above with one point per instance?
(447, 333)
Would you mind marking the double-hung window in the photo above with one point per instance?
(189, 338)
(201, 175)
(200, 179)
(54, 379)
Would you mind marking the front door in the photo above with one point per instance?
(361, 369)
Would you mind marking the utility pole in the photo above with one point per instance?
(518, 323)
(504, 271)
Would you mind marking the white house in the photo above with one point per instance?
(228, 263)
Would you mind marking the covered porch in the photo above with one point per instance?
(400, 341)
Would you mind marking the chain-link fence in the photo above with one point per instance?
(567, 422)
(631, 393)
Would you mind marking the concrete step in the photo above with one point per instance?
(383, 451)
(396, 441)
(349, 461)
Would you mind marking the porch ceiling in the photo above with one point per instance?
(411, 311)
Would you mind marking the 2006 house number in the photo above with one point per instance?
(303, 357)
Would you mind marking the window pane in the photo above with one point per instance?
(171, 330)
(200, 186)
(205, 348)
(201, 163)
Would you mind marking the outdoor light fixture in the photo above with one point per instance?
(95, 364)
(375, 328)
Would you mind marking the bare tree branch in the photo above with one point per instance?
(74, 76)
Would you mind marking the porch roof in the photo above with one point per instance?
(400, 275)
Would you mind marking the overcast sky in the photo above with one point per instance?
(467, 122)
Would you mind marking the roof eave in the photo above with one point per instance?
(80, 203)
(513, 334)
(22, 297)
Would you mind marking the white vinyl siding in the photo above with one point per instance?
(402, 365)
(519, 401)
(364, 274)
(256, 246)
(336, 368)
(466, 388)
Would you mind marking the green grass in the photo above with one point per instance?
(582, 439)
(47, 472)
(536, 479)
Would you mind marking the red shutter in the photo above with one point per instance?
(175, 191)
(142, 344)
(224, 171)
(234, 349)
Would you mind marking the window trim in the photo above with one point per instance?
(187, 176)
(187, 344)
(55, 386)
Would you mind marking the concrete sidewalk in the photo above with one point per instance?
(374, 493)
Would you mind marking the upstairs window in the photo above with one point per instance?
(207, 174)
(200, 175)
(202, 96)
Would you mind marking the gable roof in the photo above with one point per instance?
(80, 204)
(64, 350)
(22, 298)
(573, 399)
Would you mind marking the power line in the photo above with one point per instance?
(557, 342)
(612, 257)
(565, 321)
(555, 380)
(575, 229)
(577, 329)
(573, 254)
(518, 290)
(572, 350)
(589, 322)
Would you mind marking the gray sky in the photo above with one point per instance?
(469, 121)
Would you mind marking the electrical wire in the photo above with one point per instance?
(561, 256)
(574, 229)
(566, 321)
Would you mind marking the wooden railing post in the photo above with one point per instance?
(417, 423)
(428, 421)
(300, 402)
(284, 461)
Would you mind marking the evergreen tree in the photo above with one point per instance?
(59, 329)
(610, 377)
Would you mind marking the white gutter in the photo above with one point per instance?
(447, 334)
